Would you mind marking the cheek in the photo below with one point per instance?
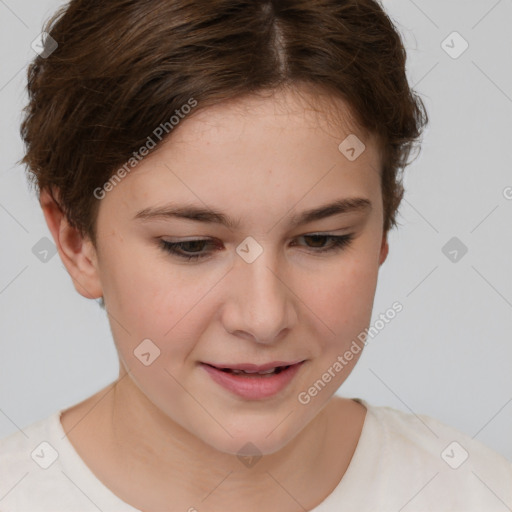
(154, 300)
(342, 304)
(341, 297)
(138, 283)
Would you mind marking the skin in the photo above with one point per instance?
(169, 434)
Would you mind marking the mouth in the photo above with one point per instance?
(251, 381)
(273, 368)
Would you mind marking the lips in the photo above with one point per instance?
(253, 382)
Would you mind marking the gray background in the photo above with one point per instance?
(448, 354)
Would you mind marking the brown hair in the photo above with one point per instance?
(123, 67)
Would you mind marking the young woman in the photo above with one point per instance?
(224, 175)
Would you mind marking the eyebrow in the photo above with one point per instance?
(199, 214)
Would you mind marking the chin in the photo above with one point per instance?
(253, 436)
(250, 445)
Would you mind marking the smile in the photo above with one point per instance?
(253, 384)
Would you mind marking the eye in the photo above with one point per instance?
(177, 248)
(338, 242)
(193, 249)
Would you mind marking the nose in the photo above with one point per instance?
(261, 304)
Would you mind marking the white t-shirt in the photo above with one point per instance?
(402, 463)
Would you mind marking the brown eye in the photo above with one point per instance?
(189, 249)
(337, 242)
(318, 240)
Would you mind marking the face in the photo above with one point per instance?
(267, 283)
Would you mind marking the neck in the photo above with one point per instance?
(153, 463)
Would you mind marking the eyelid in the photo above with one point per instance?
(199, 238)
(338, 244)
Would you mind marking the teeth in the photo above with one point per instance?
(251, 372)
(275, 370)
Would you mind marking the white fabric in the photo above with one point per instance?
(397, 466)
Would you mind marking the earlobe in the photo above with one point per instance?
(384, 250)
(76, 252)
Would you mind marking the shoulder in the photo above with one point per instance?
(432, 438)
(445, 466)
(30, 469)
(26, 448)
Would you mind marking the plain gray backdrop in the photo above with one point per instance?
(448, 354)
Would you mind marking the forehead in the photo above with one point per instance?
(300, 107)
(270, 149)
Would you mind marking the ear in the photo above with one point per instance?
(384, 249)
(76, 252)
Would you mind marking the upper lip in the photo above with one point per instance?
(254, 367)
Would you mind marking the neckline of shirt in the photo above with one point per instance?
(363, 461)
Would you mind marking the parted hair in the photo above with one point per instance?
(122, 68)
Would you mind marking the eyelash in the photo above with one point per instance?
(338, 243)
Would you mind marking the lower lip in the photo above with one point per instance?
(250, 386)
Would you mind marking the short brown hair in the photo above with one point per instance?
(123, 67)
